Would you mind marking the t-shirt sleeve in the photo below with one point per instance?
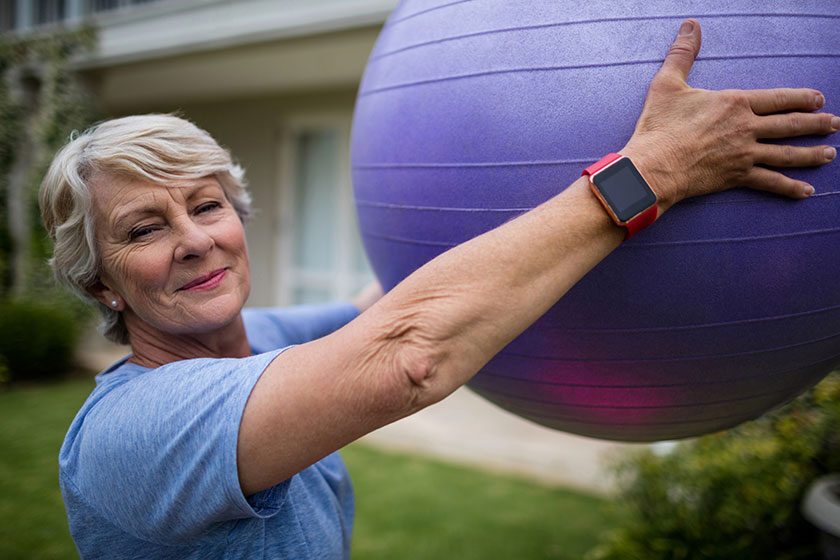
(270, 328)
(156, 455)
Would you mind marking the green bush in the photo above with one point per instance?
(735, 494)
(37, 340)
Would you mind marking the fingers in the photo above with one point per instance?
(766, 101)
(683, 51)
(796, 124)
(793, 156)
(775, 182)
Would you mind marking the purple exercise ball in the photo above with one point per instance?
(472, 112)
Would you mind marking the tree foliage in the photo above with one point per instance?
(42, 100)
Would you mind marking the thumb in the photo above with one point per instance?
(683, 51)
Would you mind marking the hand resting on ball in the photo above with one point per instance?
(690, 142)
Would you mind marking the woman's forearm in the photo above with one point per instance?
(453, 314)
(422, 340)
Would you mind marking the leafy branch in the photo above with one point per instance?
(42, 100)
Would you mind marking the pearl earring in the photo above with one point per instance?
(114, 303)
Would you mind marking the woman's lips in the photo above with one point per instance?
(206, 282)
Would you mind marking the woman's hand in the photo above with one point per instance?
(690, 142)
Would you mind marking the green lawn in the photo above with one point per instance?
(33, 421)
(407, 507)
(413, 508)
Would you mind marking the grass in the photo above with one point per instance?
(33, 421)
(414, 508)
(407, 507)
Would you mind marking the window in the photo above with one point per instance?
(103, 5)
(27, 14)
(108, 5)
(48, 11)
(322, 258)
(7, 16)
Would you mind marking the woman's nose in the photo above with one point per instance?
(193, 241)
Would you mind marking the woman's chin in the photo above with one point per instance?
(207, 317)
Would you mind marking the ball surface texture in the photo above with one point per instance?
(472, 112)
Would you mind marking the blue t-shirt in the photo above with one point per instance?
(148, 466)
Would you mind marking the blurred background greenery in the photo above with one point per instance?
(41, 102)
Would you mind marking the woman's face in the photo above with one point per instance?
(172, 256)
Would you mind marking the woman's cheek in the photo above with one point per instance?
(146, 268)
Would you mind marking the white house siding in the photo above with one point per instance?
(252, 129)
(246, 90)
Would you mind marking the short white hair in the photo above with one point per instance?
(156, 147)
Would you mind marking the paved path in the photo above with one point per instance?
(467, 429)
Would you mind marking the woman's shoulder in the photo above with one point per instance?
(277, 327)
(146, 437)
(132, 401)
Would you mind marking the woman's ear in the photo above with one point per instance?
(106, 296)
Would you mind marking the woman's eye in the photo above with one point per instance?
(207, 207)
(140, 232)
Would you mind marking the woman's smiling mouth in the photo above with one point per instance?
(206, 282)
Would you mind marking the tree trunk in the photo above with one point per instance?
(25, 88)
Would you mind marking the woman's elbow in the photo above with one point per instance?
(405, 368)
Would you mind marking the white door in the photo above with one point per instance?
(322, 258)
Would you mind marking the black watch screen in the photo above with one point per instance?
(624, 189)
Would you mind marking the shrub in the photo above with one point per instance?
(735, 494)
(4, 372)
(37, 340)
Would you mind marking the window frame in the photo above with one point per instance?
(344, 279)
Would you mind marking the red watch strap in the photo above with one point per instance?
(641, 221)
(601, 163)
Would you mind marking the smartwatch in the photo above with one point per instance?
(623, 192)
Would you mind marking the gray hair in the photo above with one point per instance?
(157, 148)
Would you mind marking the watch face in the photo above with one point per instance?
(624, 189)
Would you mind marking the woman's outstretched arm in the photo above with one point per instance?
(436, 329)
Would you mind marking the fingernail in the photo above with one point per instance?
(830, 153)
(819, 100)
(835, 123)
(687, 28)
(807, 190)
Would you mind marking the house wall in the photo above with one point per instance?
(323, 62)
(251, 129)
(246, 95)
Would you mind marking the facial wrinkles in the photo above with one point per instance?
(168, 210)
(155, 239)
(158, 207)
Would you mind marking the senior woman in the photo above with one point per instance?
(216, 437)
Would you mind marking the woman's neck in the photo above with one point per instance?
(153, 348)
